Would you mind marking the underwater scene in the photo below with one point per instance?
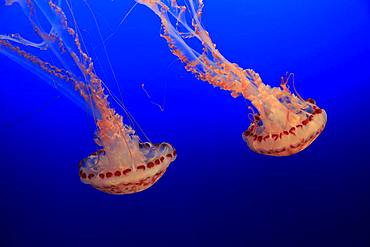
(184, 123)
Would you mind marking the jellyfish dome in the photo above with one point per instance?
(286, 124)
(283, 122)
(123, 164)
(100, 172)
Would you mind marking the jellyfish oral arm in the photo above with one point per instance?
(209, 64)
(67, 78)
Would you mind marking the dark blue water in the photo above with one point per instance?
(217, 192)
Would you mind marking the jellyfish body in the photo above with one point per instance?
(124, 165)
(284, 123)
(97, 170)
(287, 126)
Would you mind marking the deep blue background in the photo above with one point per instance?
(217, 192)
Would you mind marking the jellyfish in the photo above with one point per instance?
(283, 123)
(123, 164)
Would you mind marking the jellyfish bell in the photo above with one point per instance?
(292, 139)
(286, 123)
(127, 177)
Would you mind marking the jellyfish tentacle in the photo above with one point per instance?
(47, 71)
(17, 38)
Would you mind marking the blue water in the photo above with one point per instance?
(217, 192)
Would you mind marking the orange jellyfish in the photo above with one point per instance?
(124, 165)
(284, 123)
